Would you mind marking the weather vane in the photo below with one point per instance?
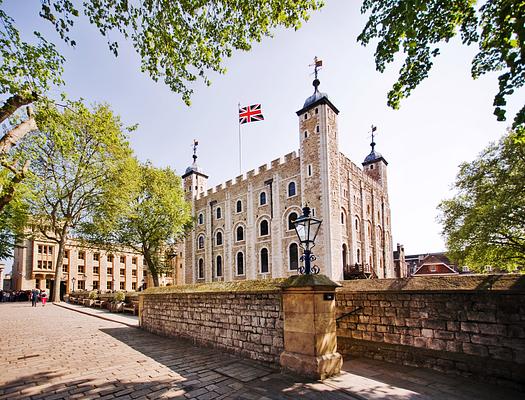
(373, 129)
(195, 144)
(317, 65)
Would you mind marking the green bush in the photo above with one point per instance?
(119, 296)
(93, 295)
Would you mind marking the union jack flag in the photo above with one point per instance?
(250, 114)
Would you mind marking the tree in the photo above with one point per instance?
(180, 41)
(27, 72)
(484, 223)
(158, 217)
(80, 162)
(418, 27)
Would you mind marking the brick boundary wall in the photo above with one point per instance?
(249, 324)
(473, 326)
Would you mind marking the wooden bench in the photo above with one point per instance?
(86, 302)
(73, 300)
(100, 303)
(133, 307)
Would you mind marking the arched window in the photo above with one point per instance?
(342, 217)
(201, 219)
(262, 198)
(291, 189)
(200, 270)
(263, 228)
(240, 263)
(345, 253)
(291, 218)
(264, 261)
(358, 256)
(293, 256)
(239, 233)
(200, 241)
(219, 213)
(219, 266)
(357, 224)
(369, 231)
(239, 206)
(218, 239)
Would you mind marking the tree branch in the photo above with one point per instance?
(12, 137)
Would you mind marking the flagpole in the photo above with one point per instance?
(240, 158)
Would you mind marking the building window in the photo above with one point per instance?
(293, 256)
(122, 272)
(317, 128)
(201, 219)
(200, 269)
(264, 261)
(66, 253)
(432, 268)
(309, 170)
(96, 257)
(96, 270)
(218, 239)
(240, 233)
(357, 225)
(240, 263)
(65, 268)
(95, 285)
(122, 259)
(342, 217)
(200, 242)
(263, 228)
(80, 269)
(81, 255)
(306, 116)
(291, 218)
(122, 285)
(134, 260)
(110, 271)
(81, 285)
(110, 257)
(219, 266)
(144, 273)
(372, 166)
(219, 213)
(133, 272)
(316, 110)
(306, 134)
(239, 206)
(345, 252)
(262, 198)
(133, 285)
(291, 189)
(108, 285)
(40, 249)
(358, 256)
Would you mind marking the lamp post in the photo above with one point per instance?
(73, 281)
(307, 228)
(142, 285)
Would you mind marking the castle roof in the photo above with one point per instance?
(316, 99)
(374, 156)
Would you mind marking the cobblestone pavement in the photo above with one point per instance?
(54, 353)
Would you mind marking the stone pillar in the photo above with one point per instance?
(141, 308)
(310, 337)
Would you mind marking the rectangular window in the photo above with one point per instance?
(133, 272)
(81, 285)
(110, 271)
(95, 285)
(50, 265)
(169, 274)
(122, 272)
(80, 269)
(39, 264)
(108, 285)
(133, 285)
(81, 255)
(66, 253)
(96, 257)
(122, 259)
(144, 273)
(96, 270)
(110, 257)
(40, 249)
(134, 260)
(432, 268)
(64, 268)
(122, 285)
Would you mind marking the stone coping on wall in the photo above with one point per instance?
(245, 286)
(456, 283)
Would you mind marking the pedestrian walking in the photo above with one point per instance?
(34, 296)
(43, 297)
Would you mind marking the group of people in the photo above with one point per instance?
(34, 296)
(38, 294)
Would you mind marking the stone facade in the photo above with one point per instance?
(476, 332)
(243, 226)
(249, 324)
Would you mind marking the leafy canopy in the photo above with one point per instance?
(484, 223)
(180, 41)
(418, 28)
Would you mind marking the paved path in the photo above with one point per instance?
(54, 353)
(126, 319)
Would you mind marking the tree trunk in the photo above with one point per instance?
(16, 134)
(152, 268)
(58, 269)
(14, 103)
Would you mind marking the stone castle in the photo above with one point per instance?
(243, 227)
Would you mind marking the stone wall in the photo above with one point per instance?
(249, 324)
(472, 325)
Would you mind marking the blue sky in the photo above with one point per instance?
(446, 121)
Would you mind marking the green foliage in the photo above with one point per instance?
(13, 219)
(27, 70)
(93, 295)
(419, 27)
(119, 296)
(484, 223)
(157, 217)
(180, 41)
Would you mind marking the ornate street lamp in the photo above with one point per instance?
(73, 280)
(307, 228)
